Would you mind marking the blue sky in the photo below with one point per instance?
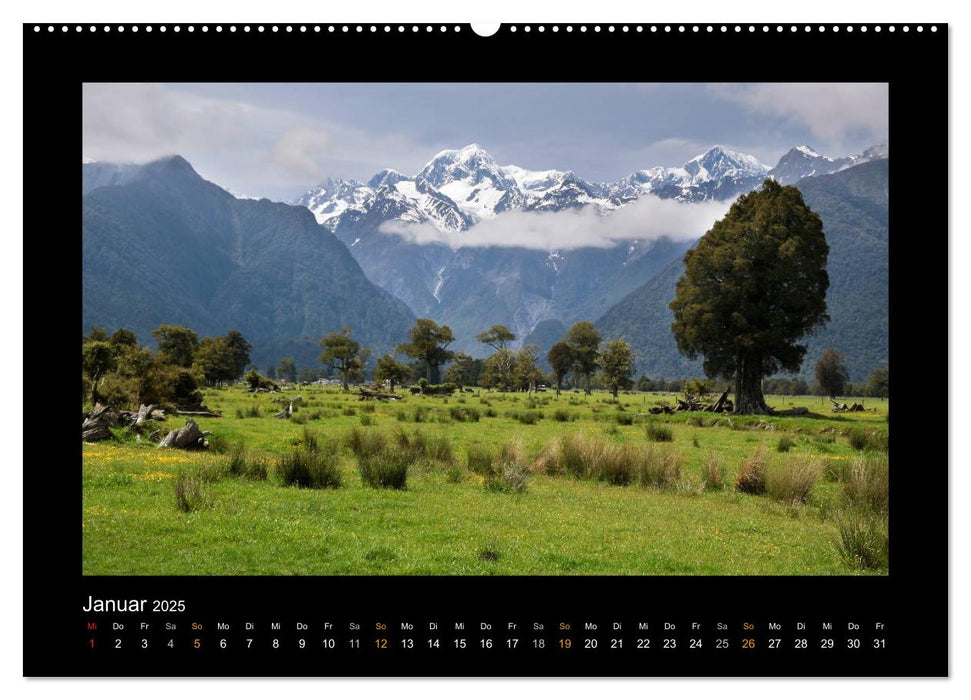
(277, 140)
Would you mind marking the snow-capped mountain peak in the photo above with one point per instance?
(809, 151)
(331, 198)
(719, 162)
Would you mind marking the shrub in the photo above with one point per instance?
(714, 474)
(318, 469)
(386, 469)
(507, 471)
(658, 468)
(751, 475)
(190, 494)
(866, 483)
(792, 481)
(785, 444)
(864, 541)
(464, 414)
(365, 443)
(562, 416)
(529, 417)
(658, 433)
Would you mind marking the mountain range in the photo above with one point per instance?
(471, 288)
(163, 245)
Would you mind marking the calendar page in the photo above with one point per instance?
(549, 350)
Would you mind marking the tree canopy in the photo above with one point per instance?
(753, 286)
(561, 361)
(344, 354)
(388, 369)
(428, 343)
(831, 374)
(176, 343)
(616, 361)
(584, 341)
(496, 337)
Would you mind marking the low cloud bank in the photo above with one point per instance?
(648, 218)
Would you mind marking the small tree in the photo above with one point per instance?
(176, 344)
(123, 338)
(645, 384)
(463, 370)
(831, 374)
(428, 342)
(344, 354)
(239, 351)
(878, 384)
(584, 341)
(214, 359)
(616, 362)
(561, 361)
(287, 369)
(496, 337)
(97, 359)
(527, 372)
(499, 371)
(388, 369)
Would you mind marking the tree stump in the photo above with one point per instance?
(188, 437)
(97, 423)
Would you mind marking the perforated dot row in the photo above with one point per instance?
(414, 28)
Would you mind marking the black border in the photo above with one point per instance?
(912, 601)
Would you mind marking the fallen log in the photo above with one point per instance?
(296, 400)
(96, 425)
(285, 413)
(202, 414)
(719, 404)
(367, 394)
(188, 437)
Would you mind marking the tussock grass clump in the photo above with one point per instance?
(464, 414)
(866, 483)
(479, 459)
(317, 469)
(387, 468)
(491, 413)
(785, 443)
(864, 540)
(868, 440)
(241, 465)
(561, 416)
(624, 419)
(502, 470)
(251, 411)
(309, 440)
(402, 416)
(791, 482)
(713, 478)
(190, 493)
(659, 468)
(349, 411)
(420, 414)
(656, 432)
(526, 417)
(751, 475)
(366, 419)
(423, 447)
(365, 443)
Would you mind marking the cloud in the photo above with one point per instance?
(832, 111)
(649, 218)
(298, 149)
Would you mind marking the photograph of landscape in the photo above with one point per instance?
(510, 329)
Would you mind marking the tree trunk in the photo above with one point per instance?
(749, 399)
(433, 375)
(188, 437)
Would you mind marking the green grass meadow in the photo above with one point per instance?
(448, 521)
